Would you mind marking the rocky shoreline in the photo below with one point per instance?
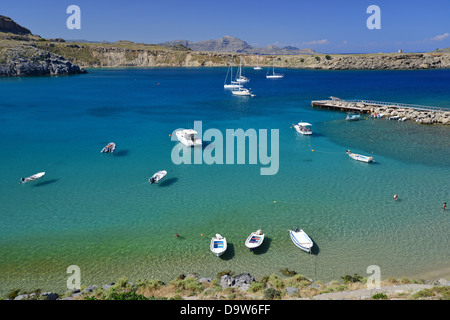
(31, 61)
(245, 286)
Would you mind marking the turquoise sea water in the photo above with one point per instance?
(97, 211)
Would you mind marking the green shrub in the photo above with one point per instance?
(328, 57)
(151, 284)
(425, 293)
(275, 281)
(271, 294)
(380, 296)
(13, 294)
(126, 295)
(187, 284)
(317, 58)
(256, 286)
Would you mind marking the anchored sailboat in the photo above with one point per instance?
(232, 84)
(274, 75)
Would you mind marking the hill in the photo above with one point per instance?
(229, 44)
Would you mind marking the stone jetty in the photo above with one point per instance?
(389, 110)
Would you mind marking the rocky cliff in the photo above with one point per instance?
(21, 55)
(7, 25)
(140, 55)
(24, 60)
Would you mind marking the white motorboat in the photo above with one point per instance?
(109, 148)
(301, 239)
(32, 178)
(218, 245)
(242, 92)
(188, 137)
(254, 240)
(274, 75)
(157, 177)
(303, 128)
(359, 157)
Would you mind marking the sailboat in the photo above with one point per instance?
(274, 75)
(241, 91)
(239, 77)
(232, 84)
(257, 66)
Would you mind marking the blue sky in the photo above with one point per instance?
(328, 26)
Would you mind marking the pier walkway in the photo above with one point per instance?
(418, 113)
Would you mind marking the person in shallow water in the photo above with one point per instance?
(395, 197)
(444, 206)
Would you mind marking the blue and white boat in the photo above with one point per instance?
(301, 239)
(218, 245)
(353, 116)
(254, 240)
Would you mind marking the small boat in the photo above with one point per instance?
(359, 157)
(376, 115)
(394, 118)
(157, 177)
(109, 148)
(257, 66)
(188, 137)
(402, 119)
(301, 239)
(218, 245)
(232, 84)
(303, 128)
(239, 77)
(274, 75)
(254, 240)
(242, 92)
(353, 116)
(32, 178)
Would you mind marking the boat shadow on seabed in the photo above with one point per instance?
(264, 246)
(44, 183)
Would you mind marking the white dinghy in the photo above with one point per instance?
(254, 240)
(301, 239)
(32, 178)
(157, 177)
(359, 157)
(218, 245)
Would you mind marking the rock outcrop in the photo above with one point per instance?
(30, 61)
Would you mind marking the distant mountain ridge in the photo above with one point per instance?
(229, 44)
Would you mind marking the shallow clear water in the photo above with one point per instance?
(98, 211)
